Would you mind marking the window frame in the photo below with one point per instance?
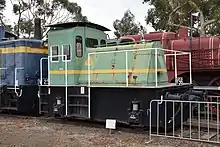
(51, 53)
(70, 49)
(82, 52)
(95, 46)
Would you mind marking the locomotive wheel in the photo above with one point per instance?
(173, 117)
(216, 94)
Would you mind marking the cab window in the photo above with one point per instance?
(91, 42)
(79, 46)
(54, 53)
(126, 42)
(67, 52)
(102, 42)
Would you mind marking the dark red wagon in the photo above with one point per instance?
(205, 59)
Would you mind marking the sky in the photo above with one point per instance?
(104, 12)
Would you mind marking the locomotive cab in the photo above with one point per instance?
(69, 52)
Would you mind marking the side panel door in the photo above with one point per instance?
(9, 62)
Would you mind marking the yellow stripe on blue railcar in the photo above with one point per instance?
(23, 49)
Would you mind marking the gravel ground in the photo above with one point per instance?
(17, 132)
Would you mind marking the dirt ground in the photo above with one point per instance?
(17, 132)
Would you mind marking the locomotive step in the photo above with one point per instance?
(12, 100)
(77, 105)
(9, 108)
(44, 103)
(13, 88)
(44, 112)
(78, 116)
(11, 92)
(73, 95)
(44, 94)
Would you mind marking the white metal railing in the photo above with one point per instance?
(214, 88)
(41, 69)
(66, 79)
(48, 64)
(41, 79)
(175, 63)
(89, 98)
(16, 82)
(49, 83)
(173, 53)
(195, 128)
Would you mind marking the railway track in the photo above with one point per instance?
(77, 122)
(187, 133)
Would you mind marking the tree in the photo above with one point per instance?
(6, 25)
(2, 7)
(50, 11)
(25, 27)
(126, 26)
(170, 14)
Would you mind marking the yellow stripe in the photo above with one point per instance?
(24, 49)
(106, 71)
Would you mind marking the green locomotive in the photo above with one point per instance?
(88, 79)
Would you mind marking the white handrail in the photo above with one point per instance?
(175, 66)
(66, 79)
(190, 68)
(141, 49)
(156, 67)
(174, 53)
(89, 99)
(16, 82)
(41, 69)
(126, 66)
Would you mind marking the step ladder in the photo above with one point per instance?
(43, 100)
(10, 99)
(78, 103)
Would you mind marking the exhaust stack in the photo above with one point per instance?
(37, 29)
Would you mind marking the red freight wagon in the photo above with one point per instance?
(205, 51)
(205, 56)
(164, 37)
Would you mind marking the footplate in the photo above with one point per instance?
(78, 102)
(43, 100)
(9, 99)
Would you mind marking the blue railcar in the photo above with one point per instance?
(19, 74)
(20, 60)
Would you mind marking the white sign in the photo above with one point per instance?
(58, 102)
(110, 124)
(82, 90)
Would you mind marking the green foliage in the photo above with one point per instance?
(2, 4)
(50, 11)
(9, 28)
(168, 15)
(126, 26)
(2, 7)
(159, 15)
(26, 28)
